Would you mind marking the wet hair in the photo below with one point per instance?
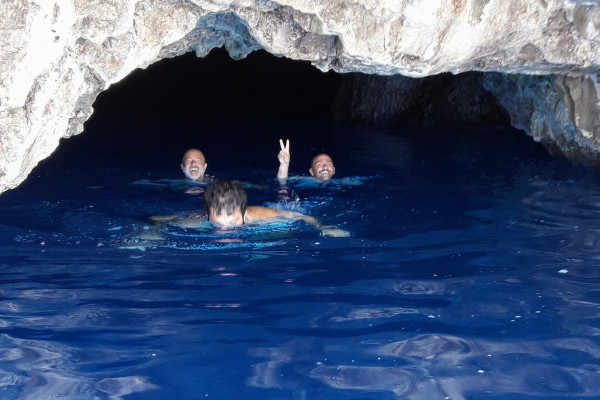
(225, 196)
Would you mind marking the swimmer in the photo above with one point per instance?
(321, 166)
(226, 205)
(193, 165)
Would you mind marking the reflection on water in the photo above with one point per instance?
(37, 369)
(431, 366)
(471, 272)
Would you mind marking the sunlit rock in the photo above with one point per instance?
(56, 56)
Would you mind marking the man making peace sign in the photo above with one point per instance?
(321, 166)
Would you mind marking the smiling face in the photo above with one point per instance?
(193, 164)
(322, 167)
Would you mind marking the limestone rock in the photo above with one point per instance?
(56, 56)
(559, 111)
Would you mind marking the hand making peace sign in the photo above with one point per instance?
(284, 153)
(284, 158)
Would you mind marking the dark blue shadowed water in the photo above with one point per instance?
(471, 272)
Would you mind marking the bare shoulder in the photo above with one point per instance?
(256, 213)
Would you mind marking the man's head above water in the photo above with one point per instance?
(322, 167)
(225, 203)
(193, 164)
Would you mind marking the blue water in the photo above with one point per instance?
(471, 272)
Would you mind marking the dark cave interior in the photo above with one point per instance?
(187, 102)
(216, 103)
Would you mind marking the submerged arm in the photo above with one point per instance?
(326, 230)
(191, 220)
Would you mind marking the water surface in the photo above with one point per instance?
(471, 272)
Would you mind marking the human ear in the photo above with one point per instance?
(311, 172)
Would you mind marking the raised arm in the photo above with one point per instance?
(284, 159)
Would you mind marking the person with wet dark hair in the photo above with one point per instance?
(226, 205)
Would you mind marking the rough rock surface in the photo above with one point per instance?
(398, 102)
(560, 111)
(56, 56)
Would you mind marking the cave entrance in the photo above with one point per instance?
(236, 110)
(211, 103)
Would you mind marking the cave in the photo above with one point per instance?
(464, 262)
(216, 103)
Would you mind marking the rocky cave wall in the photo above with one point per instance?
(540, 58)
